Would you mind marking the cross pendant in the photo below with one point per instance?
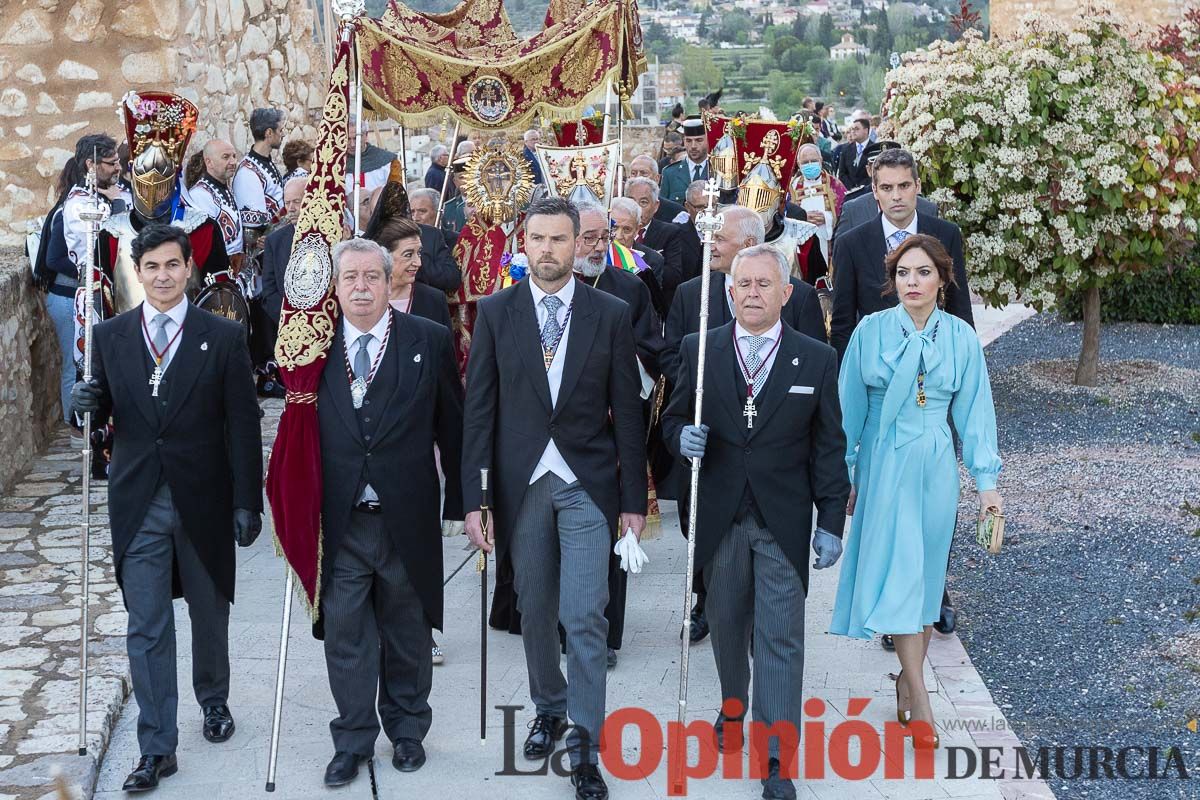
(749, 412)
(156, 380)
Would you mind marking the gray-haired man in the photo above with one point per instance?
(389, 394)
(772, 446)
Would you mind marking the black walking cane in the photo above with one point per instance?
(481, 568)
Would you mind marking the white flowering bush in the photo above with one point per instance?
(1066, 153)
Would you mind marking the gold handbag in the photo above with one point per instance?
(989, 531)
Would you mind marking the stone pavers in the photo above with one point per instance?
(39, 627)
(836, 670)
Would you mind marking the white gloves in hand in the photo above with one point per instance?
(633, 557)
(452, 528)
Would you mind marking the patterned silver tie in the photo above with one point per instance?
(551, 329)
(896, 239)
(754, 344)
(362, 360)
(161, 342)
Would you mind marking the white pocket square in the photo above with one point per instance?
(417, 358)
(800, 390)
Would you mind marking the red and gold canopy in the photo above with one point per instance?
(469, 63)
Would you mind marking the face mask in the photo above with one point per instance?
(811, 171)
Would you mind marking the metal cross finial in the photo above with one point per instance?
(347, 9)
(712, 191)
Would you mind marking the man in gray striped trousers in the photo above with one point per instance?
(772, 446)
(553, 409)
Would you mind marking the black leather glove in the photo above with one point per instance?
(85, 397)
(246, 526)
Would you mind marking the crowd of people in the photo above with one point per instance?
(842, 367)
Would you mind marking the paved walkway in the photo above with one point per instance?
(836, 670)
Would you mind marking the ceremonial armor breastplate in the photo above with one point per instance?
(795, 233)
(127, 291)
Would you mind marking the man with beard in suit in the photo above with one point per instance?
(742, 228)
(552, 410)
(859, 275)
(184, 485)
(771, 446)
(389, 394)
(852, 162)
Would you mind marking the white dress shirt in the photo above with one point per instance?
(350, 336)
(176, 315)
(743, 344)
(889, 230)
(552, 460)
(691, 168)
(729, 293)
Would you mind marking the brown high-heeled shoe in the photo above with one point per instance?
(902, 716)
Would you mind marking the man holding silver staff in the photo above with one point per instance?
(772, 446)
(553, 410)
(389, 393)
(185, 483)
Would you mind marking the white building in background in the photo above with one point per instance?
(848, 49)
(659, 88)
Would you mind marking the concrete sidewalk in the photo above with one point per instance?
(647, 675)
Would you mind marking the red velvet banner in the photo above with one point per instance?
(306, 328)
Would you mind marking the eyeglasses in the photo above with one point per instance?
(590, 239)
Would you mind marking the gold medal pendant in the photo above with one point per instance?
(921, 390)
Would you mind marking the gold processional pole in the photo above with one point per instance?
(707, 223)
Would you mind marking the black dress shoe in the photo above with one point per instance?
(150, 769)
(699, 627)
(776, 787)
(588, 783)
(888, 643)
(719, 727)
(218, 723)
(947, 622)
(544, 732)
(343, 768)
(408, 755)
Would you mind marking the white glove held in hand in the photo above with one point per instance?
(452, 528)
(633, 557)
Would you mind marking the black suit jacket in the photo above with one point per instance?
(647, 328)
(802, 313)
(205, 442)
(277, 249)
(438, 267)
(665, 237)
(864, 208)
(596, 424)
(793, 457)
(430, 304)
(859, 277)
(693, 250)
(848, 173)
(424, 410)
(668, 210)
(653, 280)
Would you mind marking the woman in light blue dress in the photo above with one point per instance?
(904, 369)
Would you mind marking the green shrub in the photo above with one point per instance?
(1151, 296)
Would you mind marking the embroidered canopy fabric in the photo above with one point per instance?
(470, 64)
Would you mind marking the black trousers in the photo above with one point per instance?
(377, 640)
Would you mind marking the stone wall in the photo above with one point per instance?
(1005, 14)
(65, 64)
(29, 368)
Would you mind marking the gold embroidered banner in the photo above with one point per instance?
(469, 64)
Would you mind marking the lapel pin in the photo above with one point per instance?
(417, 358)
(796, 361)
(204, 345)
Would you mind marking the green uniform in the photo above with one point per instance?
(454, 214)
(677, 177)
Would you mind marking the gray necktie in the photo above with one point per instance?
(896, 238)
(362, 361)
(754, 360)
(161, 343)
(551, 329)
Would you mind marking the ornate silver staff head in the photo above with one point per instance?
(709, 221)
